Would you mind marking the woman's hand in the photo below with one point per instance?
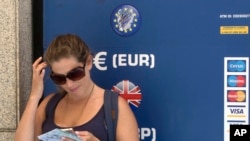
(84, 136)
(37, 79)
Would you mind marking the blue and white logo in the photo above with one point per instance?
(236, 66)
(125, 20)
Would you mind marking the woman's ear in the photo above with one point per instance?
(89, 62)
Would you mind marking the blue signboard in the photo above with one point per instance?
(166, 57)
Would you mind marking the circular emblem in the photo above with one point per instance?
(125, 20)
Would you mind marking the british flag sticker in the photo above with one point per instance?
(130, 92)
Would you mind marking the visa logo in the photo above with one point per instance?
(236, 111)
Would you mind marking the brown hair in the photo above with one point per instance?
(65, 46)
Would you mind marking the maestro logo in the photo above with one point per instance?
(236, 66)
(125, 20)
(236, 80)
(236, 96)
(129, 92)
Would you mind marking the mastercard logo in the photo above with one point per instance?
(236, 81)
(236, 96)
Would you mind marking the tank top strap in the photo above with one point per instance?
(52, 103)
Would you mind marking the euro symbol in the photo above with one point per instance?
(99, 61)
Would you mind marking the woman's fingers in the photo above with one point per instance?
(39, 66)
(83, 135)
(42, 73)
(86, 136)
(37, 79)
(66, 139)
(37, 61)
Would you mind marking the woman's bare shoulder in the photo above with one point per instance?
(45, 101)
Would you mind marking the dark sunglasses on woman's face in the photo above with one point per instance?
(74, 75)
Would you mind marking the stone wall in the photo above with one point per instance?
(15, 62)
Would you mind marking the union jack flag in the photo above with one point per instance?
(129, 92)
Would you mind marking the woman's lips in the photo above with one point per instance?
(73, 89)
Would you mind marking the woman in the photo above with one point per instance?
(80, 102)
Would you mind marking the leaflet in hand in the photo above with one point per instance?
(57, 134)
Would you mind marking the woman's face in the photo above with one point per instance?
(70, 64)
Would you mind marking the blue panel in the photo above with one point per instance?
(182, 94)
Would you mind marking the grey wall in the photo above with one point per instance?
(15, 62)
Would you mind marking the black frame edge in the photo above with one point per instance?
(37, 29)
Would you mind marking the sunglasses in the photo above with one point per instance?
(74, 75)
